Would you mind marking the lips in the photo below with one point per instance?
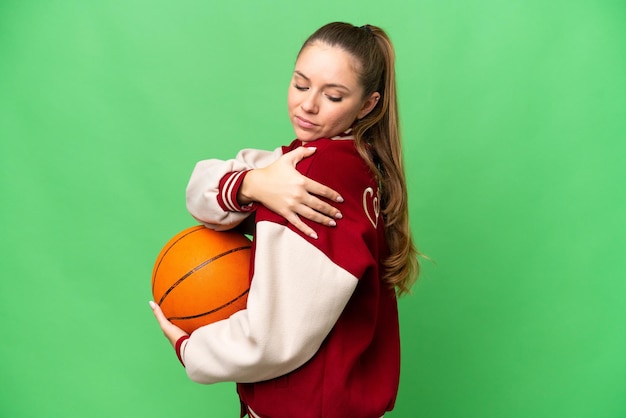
(304, 123)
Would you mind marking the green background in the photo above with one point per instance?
(513, 114)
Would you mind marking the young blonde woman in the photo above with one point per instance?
(320, 335)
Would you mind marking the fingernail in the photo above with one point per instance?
(152, 304)
(339, 199)
(338, 215)
(313, 235)
(332, 223)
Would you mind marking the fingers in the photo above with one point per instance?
(299, 154)
(321, 211)
(312, 215)
(304, 228)
(158, 314)
(313, 187)
(171, 331)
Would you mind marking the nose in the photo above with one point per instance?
(309, 104)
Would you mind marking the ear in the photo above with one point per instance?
(369, 104)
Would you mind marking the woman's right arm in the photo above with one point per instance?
(207, 187)
(221, 194)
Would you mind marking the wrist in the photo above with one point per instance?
(245, 194)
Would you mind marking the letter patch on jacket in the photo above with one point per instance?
(371, 205)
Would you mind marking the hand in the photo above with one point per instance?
(171, 331)
(282, 189)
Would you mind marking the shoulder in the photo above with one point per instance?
(334, 159)
(338, 165)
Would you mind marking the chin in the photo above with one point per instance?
(305, 136)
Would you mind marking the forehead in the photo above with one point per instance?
(326, 63)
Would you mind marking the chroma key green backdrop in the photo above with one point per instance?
(513, 115)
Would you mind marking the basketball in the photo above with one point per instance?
(202, 276)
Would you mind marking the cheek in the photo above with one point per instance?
(346, 116)
(339, 122)
(290, 100)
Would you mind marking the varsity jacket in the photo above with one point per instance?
(319, 336)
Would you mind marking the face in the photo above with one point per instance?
(325, 96)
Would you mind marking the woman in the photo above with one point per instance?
(319, 336)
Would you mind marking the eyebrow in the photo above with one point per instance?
(335, 85)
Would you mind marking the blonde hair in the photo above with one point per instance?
(377, 138)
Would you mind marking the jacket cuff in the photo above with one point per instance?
(227, 194)
(178, 347)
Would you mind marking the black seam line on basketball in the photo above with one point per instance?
(179, 318)
(198, 267)
(195, 229)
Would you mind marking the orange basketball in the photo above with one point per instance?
(201, 276)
